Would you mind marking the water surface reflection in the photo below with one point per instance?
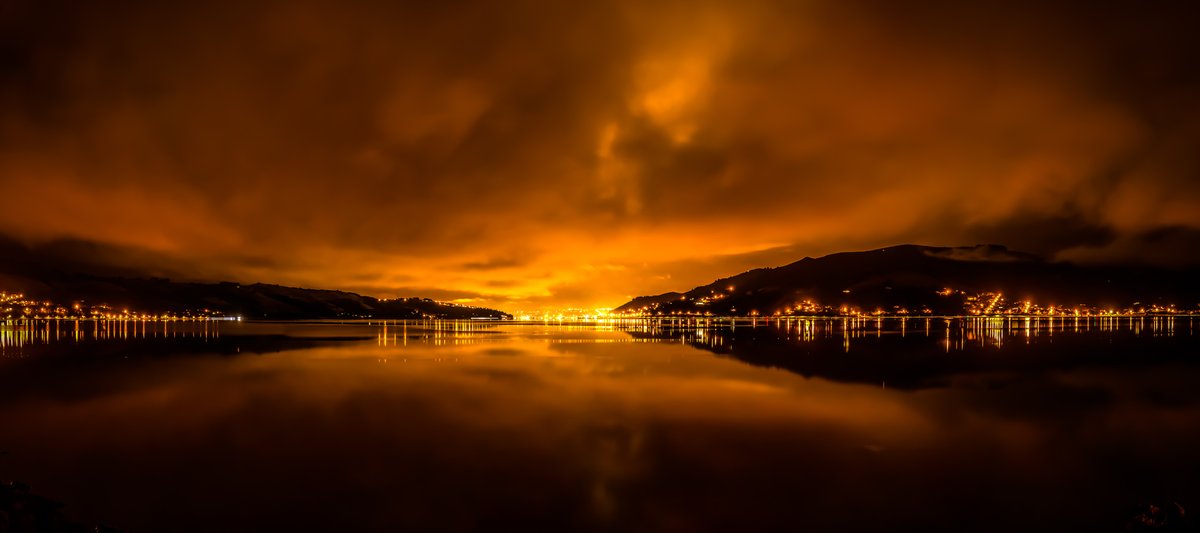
(626, 425)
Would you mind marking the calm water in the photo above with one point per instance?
(932, 425)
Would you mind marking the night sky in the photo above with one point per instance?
(525, 155)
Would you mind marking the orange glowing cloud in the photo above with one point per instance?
(526, 156)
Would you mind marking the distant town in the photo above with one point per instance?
(972, 304)
(18, 306)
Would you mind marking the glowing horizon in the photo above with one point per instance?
(535, 157)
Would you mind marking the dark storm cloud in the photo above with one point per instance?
(1043, 234)
(588, 149)
(497, 263)
(1172, 246)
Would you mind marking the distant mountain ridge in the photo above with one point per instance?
(910, 277)
(258, 300)
(44, 276)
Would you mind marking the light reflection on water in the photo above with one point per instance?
(955, 333)
(817, 424)
(16, 334)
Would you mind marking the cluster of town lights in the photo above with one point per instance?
(976, 304)
(18, 306)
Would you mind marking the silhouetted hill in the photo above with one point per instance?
(44, 276)
(651, 301)
(257, 300)
(910, 277)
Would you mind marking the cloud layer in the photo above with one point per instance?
(528, 154)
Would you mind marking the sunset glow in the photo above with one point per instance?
(532, 157)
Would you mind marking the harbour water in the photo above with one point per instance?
(827, 424)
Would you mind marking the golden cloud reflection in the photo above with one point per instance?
(580, 424)
(569, 399)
